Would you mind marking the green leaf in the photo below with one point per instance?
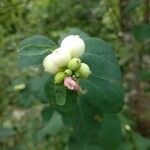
(110, 132)
(47, 113)
(26, 98)
(40, 86)
(70, 110)
(140, 142)
(132, 5)
(104, 91)
(142, 32)
(36, 45)
(53, 127)
(60, 94)
(6, 133)
(33, 50)
(25, 61)
(126, 146)
(104, 135)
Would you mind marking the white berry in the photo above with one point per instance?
(61, 57)
(74, 44)
(49, 65)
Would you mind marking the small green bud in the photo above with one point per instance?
(68, 72)
(84, 71)
(77, 74)
(62, 69)
(74, 64)
(74, 77)
(59, 77)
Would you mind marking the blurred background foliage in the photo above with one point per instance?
(125, 24)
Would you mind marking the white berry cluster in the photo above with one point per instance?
(65, 60)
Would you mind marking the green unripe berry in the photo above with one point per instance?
(59, 77)
(74, 64)
(68, 72)
(84, 71)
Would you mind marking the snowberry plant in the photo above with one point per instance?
(80, 80)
